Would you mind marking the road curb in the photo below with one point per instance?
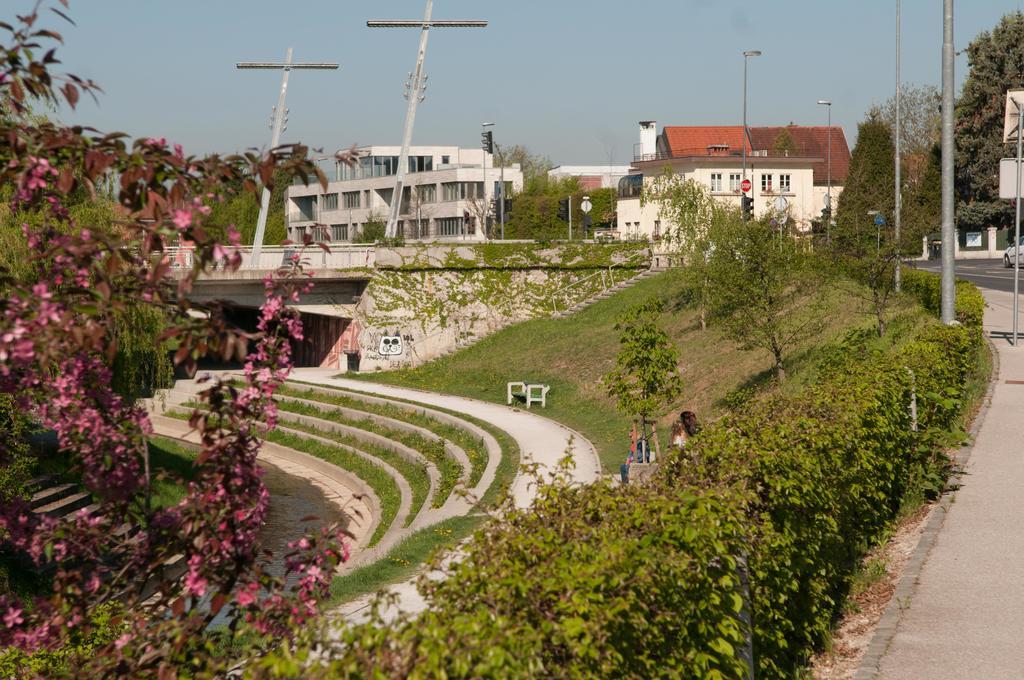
(885, 631)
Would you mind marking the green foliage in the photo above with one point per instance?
(374, 230)
(645, 379)
(870, 186)
(920, 120)
(67, 661)
(922, 205)
(694, 220)
(927, 288)
(241, 209)
(142, 364)
(560, 591)
(996, 65)
(16, 466)
(760, 284)
(784, 143)
(534, 166)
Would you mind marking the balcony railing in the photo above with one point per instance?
(275, 257)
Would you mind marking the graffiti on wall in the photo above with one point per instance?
(386, 345)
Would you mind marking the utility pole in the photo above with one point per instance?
(277, 126)
(899, 171)
(948, 150)
(828, 164)
(415, 89)
(743, 144)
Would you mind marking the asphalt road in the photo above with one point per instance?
(985, 273)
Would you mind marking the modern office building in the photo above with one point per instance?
(448, 195)
(789, 163)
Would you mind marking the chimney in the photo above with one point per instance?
(648, 139)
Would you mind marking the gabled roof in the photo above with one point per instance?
(727, 140)
(696, 140)
(811, 141)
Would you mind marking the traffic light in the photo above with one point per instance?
(487, 141)
(747, 207)
(508, 206)
(563, 209)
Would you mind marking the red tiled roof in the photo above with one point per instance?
(811, 141)
(726, 140)
(693, 140)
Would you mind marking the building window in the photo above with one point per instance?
(446, 160)
(349, 199)
(421, 163)
(449, 226)
(328, 201)
(766, 183)
(716, 182)
(339, 232)
(784, 184)
(450, 191)
(427, 193)
(734, 181)
(657, 223)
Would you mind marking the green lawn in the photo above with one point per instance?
(572, 354)
(175, 457)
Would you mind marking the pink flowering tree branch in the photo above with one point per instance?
(200, 559)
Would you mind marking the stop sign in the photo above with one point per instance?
(745, 185)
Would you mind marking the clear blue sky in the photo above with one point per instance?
(567, 78)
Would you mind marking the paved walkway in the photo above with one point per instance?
(965, 618)
(540, 440)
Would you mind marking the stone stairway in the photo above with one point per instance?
(607, 293)
(56, 499)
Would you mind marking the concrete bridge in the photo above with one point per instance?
(380, 307)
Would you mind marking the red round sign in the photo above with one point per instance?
(745, 185)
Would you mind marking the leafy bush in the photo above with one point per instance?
(561, 591)
(927, 288)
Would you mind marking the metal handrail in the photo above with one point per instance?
(606, 278)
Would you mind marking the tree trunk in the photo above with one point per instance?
(703, 317)
(780, 370)
(657, 444)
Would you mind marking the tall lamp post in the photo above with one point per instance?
(743, 144)
(277, 126)
(897, 217)
(828, 164)
(948, 151)
(415, 90)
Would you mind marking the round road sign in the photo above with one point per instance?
(745, 185)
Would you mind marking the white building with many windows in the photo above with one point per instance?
(791, 162)
(448, 195)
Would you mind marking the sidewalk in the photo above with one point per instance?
(965, 617)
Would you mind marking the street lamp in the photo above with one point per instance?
(500, 194)
(828, 163)
(743, 144)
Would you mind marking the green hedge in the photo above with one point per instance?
(601, 581)
(927, 288)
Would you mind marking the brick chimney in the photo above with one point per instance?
(648, 138)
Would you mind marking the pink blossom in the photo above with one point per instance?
(182, 218)
(13, 617)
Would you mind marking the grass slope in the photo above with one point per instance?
(573, 354)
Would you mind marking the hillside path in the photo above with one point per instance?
(541, 441)
(965, 616)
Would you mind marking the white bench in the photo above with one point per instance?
(530, 393)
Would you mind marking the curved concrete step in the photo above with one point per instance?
(372, 438)
(65, 505)
(452, 450)
(52, 494)
(494, 452)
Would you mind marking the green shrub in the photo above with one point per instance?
(107, 626)
(561, 591)
(927, 288)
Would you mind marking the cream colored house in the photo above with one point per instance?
(788, 166)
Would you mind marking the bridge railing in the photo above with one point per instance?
(275, 257)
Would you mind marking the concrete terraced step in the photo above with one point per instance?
(65, 505)
(51, 494)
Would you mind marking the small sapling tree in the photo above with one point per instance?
(763, 290)
(645, 379)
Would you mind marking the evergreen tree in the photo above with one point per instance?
(996, 63)
(869, 187)
(922, 204)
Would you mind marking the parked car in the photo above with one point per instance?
(1011, 254)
